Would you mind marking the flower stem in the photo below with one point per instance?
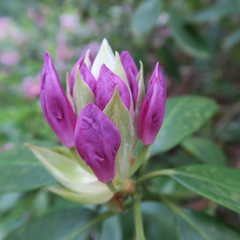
(155, 174)
(112, 187)
(142, 159)
(138, 217)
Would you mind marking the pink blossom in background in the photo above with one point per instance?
(64, 52)
(31, 86)
(69, 22)
(9, 58)
(9, 31)
(36, 16)
(7, 146)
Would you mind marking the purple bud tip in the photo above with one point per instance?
(97, 141)
(55, 105)
(153, 108)
(106, 84)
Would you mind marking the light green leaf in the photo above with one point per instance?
(220, 184)
(82, 94)
(90, 198)
(205, 150)
(120, 116)
(186, 35)
(184, 116)
(20, 171)
(72, 224)
(145, 16)
(71, 175)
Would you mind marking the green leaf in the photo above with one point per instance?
(216, 12)
(121, 118)
(205, 150)
(195, 225)
(184, 116)
(220, 184)
(20, 171)
(232, 40)
(69, 224)
(84, 186)
(82, 94)
(112, 229)
(187, 36)
(145, 16)
(160, 222)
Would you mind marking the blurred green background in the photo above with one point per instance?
(196, 42)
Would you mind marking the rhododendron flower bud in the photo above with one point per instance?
(131, 72)
(97, 141)
(153, 108)
(55, 105)
(106, 83)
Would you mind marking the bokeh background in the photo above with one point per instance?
(196, 42)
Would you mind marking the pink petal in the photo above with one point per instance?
(97, 141)
(88, 78)
(106, 84)
(153, 108)
(131, 72)
(55, 105)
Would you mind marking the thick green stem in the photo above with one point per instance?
(165, 172)
(112, 187)
(142, 159)
(138, 217)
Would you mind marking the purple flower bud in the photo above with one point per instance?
(153, 108)
(106, 84)
(55, 105)
(131, 72)
(88, 78)
(72, 75)
(97, 141)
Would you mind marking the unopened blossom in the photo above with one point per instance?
(55, 105)
(103, 118)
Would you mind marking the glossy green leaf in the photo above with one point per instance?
(69, 224)
(187, 36)
(112, 229)
(145, 16)
(161, 221)
(205, 150)
(184, 116)
(220, 184)
(20, 171)
(195, 225)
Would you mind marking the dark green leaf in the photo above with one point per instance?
(64, 225)
(20, 171)
(220, 184)
(160, 222)
(112, 229)
(198, 226)
(184, 116)
(187, 36)
(145, 16)
(205, 150)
